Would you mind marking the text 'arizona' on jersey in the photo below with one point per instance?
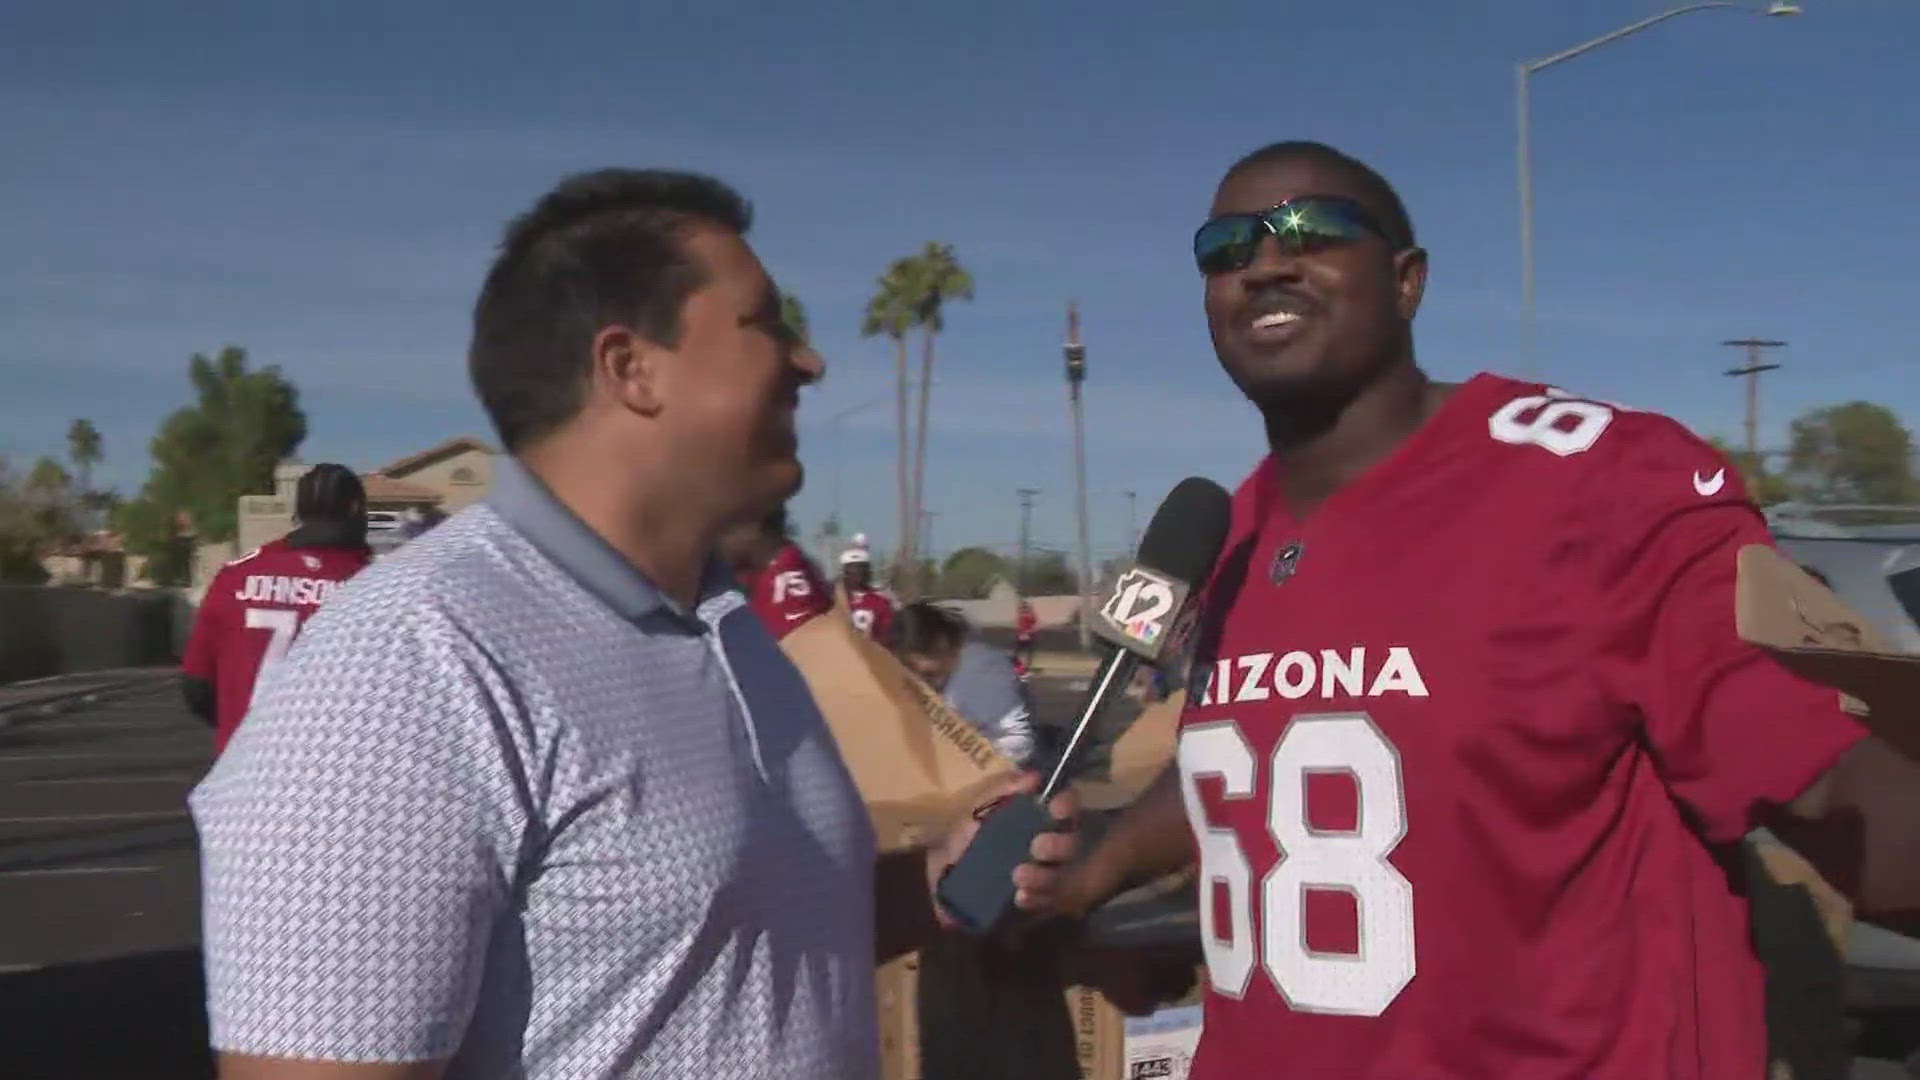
(1461, 744)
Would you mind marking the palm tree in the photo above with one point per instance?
(890, 312)
(793, 314)
(936, 278)
(83, 449)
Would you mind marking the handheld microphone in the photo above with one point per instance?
(1136, 621)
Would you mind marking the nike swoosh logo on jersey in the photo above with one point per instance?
(1709, 485)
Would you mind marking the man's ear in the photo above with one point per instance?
(627, 368)
(1410, 273)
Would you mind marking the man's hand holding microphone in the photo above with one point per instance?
(1018, 854)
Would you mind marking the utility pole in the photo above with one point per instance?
(1133, 528)
(1026, 535)
(1751, 372)
(1076, 357)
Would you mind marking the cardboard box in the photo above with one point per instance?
(1799, 621)
(917, 764)
(1114, 1046)
(897, 991)
(1138, 757)
(1099, 1039)
(1161, 1046)
(1810, 631)
(918, 767)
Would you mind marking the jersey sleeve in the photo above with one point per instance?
(359, 843)
(1731, 731)
(789, 592)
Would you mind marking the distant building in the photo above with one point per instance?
(94, 558)
(459, 471)
(401, 496)
(1002, 603)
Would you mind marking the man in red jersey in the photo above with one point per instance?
(780, 581)
(870, 609)
(1471, 736)
(257, 603)
(1024, 624)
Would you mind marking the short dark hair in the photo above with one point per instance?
(923, 628)
(1370, 188)
(329, 492)
(600, 247)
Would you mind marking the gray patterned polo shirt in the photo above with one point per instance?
(505, 803)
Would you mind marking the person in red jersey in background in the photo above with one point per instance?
(781, 583)
(870, 608)
(1024, 624)
(256, 604)
(1471, 738)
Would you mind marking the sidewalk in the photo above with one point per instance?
(78, 688)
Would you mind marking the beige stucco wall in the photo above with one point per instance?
(262, 518)
(207, 561)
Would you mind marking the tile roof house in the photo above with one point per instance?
(442, 479)
(459, 470)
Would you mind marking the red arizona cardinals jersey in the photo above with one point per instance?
(1025, 622)
(250, 614)
(788, 591)
(1460, 750)
(871, 612)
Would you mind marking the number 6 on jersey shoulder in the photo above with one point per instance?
(1352, 861)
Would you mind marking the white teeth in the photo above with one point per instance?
(1278, 318)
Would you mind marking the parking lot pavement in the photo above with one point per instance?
(99, 919)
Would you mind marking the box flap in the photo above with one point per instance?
(1801, 623)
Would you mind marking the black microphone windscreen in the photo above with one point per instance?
(1188, 530)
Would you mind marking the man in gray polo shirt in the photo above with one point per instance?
(537, 795)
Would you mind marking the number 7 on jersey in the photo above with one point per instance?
(281, 625)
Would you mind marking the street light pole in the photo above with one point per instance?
(1076, 358)
(1525, 161)
(1523, 153)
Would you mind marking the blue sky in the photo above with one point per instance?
(323, 183)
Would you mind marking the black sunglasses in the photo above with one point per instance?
(1307, 223)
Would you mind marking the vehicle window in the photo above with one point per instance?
(1906, 589)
